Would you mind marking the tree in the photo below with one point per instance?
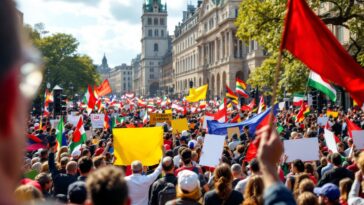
(63, 65)
(262, 21)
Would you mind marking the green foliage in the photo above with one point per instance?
(63, 65)
(262, 21)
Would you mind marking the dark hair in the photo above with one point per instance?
(336, 159)
(85, 164)
(186, 156)
(254, 165)
(43, 179)
(107, 186)
(299, 165)
(85, 152)
(223, 181)
(97, 161)
(168, 167)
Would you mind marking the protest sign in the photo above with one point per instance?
(212, 150)
(332, 113)
(330, 141)
(157, 117)
(321, 121)
(144, 144)
(72, 119)
(168, 111)
(179, 125)
(306, 149)
(233, 130)
(204, 125)
(97, 120)
(358, 139)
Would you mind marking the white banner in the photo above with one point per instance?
(330, 141)
(358, 139)
(97, 120)
(306, 149)
(212, 150)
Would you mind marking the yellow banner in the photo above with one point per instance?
(332, 113)
(179, 125)
(143, 144)
(168, 111)
(154, 118)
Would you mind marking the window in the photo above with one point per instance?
(151, 76)
(124, 86)
(156, 47)
(151, 63)
(236, 12)
(156, 21)
(150, 33)
(161, 21)
(162, 33)
(149, 21)
(151, 70)
(156, 33)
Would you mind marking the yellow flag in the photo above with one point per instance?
(179, 125)
(143, 144)
(197, 94)
(168, 111)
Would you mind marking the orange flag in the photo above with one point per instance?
(104, 88)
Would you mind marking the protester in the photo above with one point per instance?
(255, 170)
(254, 190)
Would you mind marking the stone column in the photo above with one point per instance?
(238, 48)
(216, 50)
(231, 44)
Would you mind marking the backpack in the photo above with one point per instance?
(168, 193)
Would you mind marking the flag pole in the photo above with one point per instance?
(275, 88)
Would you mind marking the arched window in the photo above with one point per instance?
(156, 47)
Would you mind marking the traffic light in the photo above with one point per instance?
(63, 104)
(57, 106)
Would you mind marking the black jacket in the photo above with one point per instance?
(335, 175)
(159, 186)
(60, 181)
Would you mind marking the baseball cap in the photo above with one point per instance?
(188, 180)
(185, 133)
(191, 144)
(329, 190)
(183, 138)
(77, 192)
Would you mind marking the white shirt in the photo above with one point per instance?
(138, 186)
(240, 186)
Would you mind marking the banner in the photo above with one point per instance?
(179, 125)
(358, 139)
(155, 118)
(306, 149)
(212, 150)
(144, 144)
(73, 119)
(97, 120)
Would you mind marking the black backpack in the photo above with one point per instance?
(168, 193)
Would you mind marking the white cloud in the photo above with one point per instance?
(101, 26)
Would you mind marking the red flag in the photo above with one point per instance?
(251, 153)
(104, 88)
(106, 121)
(309, 40)
(351, 127)
(236, 119)
(248, 107)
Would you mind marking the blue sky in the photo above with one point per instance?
(112, 27)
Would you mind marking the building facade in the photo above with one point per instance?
(206, 50)
(136, 74)
(166, 83)
(154, 46)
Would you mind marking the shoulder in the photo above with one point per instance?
(237, 195)
(210, 194)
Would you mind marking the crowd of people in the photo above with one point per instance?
(55, 175)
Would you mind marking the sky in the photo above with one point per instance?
(112, 27)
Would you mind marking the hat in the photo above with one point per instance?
(188, 180)
(77, 192)
(76, 153)
(329, 190)
(185, 133)
(191, 144)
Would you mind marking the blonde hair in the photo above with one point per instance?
(254, 189)
(306, 185)
(28, 194)
(360, 162)
(195, 194)
(307, 198)
(45, 167)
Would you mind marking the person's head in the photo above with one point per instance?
(44, 180)
(77, 193)
(37, 166)
(85, 165)
(246, 129)
(136, 167)
(344, 187)
(167, 165)
(99, 162)
(254, 166)
(298, 179)
(309, 169)
(107, 186)
(45, 167)
(86, 153)
(307, 198)
(340, 147)
(223, 181)
(186, 156)
(323, 161)
(297, 166)
(28, 194)
(240, 149)
(254, 188)
(306, 185)
(328, 193)
(360, 162)
(188, 185)
(183, 140)
(336, 159)
(64, 161)
(236, 170)
(71, 168)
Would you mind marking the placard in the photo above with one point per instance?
(330, 141)
(97, 120)
(157, 117)
(89, 134)
(233, 130)
(306, 149)
(179, 125)
(73, 119)
(212, 150)
(322, 121)
(204, 125)
(358, 139)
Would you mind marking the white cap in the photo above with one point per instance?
(184, 133)
(76, 153)
(188, 180)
